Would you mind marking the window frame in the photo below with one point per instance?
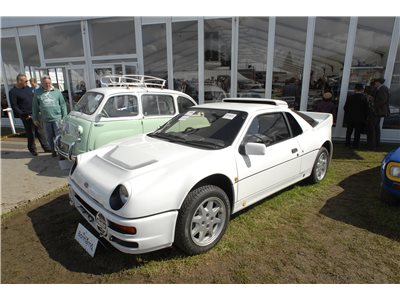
(142, 99)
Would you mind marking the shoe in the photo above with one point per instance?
(48, 151)
(54, 154)
(34, 153)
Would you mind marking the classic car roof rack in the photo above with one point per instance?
(256, 101)
(132, 81)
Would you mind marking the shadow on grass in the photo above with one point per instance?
(359, 205)
(55, 224)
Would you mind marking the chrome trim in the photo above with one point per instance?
(68, 155)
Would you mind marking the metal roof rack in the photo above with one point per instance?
(132, 81)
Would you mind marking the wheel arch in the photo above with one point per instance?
(328, 146)
(221, 181)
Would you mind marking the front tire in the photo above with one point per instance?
(320, 167)
(202, 220)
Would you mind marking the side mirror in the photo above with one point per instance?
(252, 149)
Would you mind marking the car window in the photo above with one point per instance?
(294, 125)
(121, 106)
(155, 105)
(184, 104)
(268, 129)
(89, 103)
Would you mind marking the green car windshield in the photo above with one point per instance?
(89, 103)
(204, 128)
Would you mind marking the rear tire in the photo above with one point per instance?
(320, 167)
(202, 220)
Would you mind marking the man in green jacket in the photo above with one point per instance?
(51, 104)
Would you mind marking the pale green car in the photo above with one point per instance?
(109, 113)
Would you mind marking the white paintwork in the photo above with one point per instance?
(159, 174)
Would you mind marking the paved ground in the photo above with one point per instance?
(25, 177)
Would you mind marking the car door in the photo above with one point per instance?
(119, 118)
(262, 175)
(157, 110)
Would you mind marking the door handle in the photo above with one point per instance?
(294, 150)
(98, 125)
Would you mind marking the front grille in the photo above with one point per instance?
(85, 205)
(64, 147)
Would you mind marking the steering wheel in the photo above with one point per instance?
(189, 129)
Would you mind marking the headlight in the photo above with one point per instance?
(119, 197)
(393, 171)
(79, 131)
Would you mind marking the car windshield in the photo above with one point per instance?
(89, 103)
(204, 128)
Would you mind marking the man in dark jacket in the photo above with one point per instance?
(381, 109)
(356, 112)
(21, 101)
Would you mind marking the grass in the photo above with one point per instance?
(335, 232)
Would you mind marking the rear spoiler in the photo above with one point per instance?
(256, 101)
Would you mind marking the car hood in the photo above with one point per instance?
(139, 159)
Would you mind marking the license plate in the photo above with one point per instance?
(86, 239)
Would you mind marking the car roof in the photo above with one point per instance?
(246, 107)
(117, 90)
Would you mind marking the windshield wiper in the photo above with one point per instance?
(206, 144)
(167, 136)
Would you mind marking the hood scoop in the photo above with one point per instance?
(123, 157)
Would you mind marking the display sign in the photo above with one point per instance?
(86, 239)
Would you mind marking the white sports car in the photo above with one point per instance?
(180, 184)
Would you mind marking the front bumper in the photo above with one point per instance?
(152, 232)
(64, 152)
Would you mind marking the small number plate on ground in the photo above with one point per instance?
(86, 239)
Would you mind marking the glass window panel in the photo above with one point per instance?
(155, 50)
(112, 36)
(217, 59)
(10, 59)
(290, 41)
(121, 106)
(252, 59)
(184, 41)
(30, 52)
(62, 40)
(155, 105)
(393, 120)
(370, 51)
(330, 41)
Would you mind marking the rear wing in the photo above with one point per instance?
(132, 81)
(256, 101)
(315, 118)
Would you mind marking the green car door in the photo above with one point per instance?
(157, 110)
(118, 119)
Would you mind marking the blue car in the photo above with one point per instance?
(390, 171)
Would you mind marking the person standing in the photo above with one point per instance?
(356, 112)
(21, 102)
(326, 105)
(51, 104)
(34, 85)
(381, 109)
